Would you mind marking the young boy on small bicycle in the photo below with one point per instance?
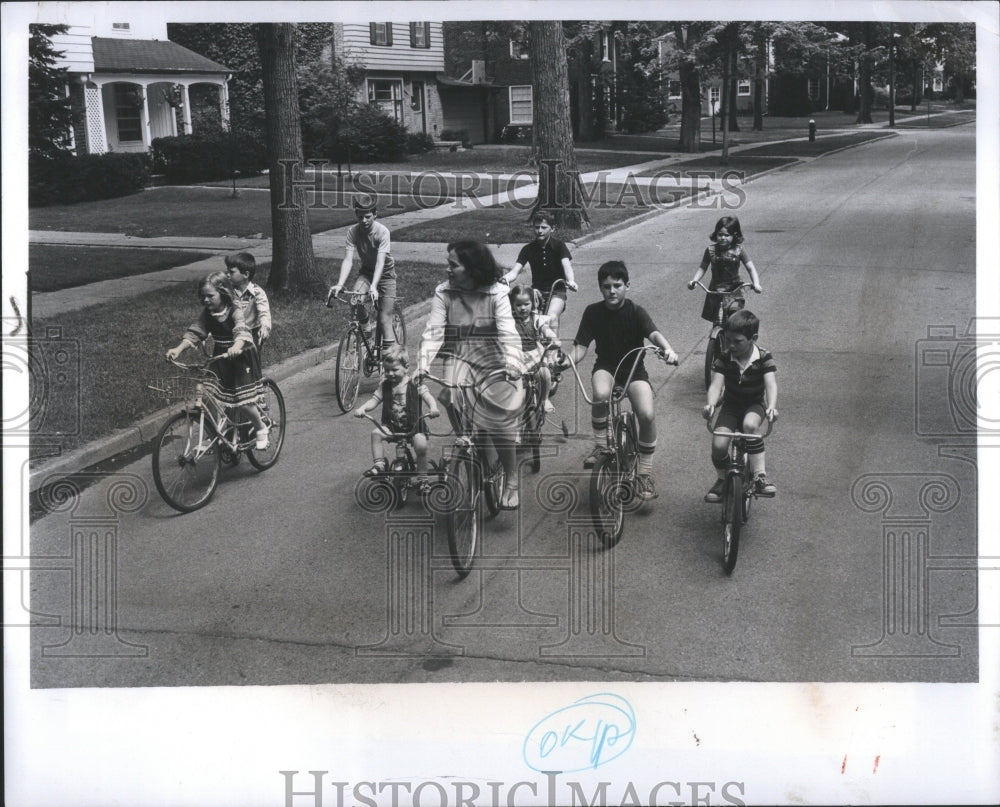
(400, 398)
(377, 276)
(617, 325)
(751, 394)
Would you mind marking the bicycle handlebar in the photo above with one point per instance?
(640, 350)
(395, 436)
(745, 435)
(743, 285)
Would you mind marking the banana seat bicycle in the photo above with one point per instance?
(192, 446)
(738, 491)
(613, 489)
(360, 350)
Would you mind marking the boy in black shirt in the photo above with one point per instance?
(617, 325)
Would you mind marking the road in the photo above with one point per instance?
(862, 568)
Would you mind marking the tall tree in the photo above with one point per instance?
(686, 38)
(558, 178)
(293, 265)
(49, 113)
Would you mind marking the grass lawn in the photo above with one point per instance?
(54, 267)
(200, 211)
(821, 145)
(121, 346)
(919, 120)
(739, 162)
(507, 223)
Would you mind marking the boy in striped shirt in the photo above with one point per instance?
(747, 372)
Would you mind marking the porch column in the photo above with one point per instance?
(97, 133)
(187, 111)
(224, 105)
(146, 139)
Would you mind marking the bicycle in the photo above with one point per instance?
(360, 350)
(533, 420)
(193, 444)
(401, 472)
(613, 479)
(738, 492)
(730, 300)
(545, 301)
(479, 476)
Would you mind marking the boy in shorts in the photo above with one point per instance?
(370, 240)
(751, 394)
(617, 325)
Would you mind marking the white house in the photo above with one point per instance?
(130, 84)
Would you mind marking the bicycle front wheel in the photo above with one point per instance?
(711, 351)
(747, 489)
(607, 500)
(732, 521)
(186, 462)
(348, 369)
(465, 517)
(495, 480)
(272, 411)
(399, 325)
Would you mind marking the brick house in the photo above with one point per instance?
(130, 84)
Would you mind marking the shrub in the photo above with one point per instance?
(64, 178)
(516, 133)
(207, 157)
(419, 143)
(372, 136)
(457, 134)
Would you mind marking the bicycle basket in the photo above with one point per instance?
(175, 388)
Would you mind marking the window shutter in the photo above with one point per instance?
(388, 34)
(413, 34)
(371, 33)
(427, 34)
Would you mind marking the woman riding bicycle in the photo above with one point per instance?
(471, 325)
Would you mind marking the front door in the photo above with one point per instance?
(418, 105)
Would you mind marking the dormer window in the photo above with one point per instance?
(121, 26)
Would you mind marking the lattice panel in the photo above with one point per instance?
(96, 139)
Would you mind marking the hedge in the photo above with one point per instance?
(207, 157)
(66, 178)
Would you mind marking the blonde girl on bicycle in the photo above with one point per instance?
(238, 365)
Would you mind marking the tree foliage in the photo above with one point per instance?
(49, 113)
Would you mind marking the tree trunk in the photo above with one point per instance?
(559, 190)
(866, 93)
(293, 266)
(585, 92)
(734, 125)
(758, 85)
(726, 100)
(690, 141)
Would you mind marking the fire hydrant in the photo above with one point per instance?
(812, 130)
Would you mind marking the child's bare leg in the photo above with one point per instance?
(378, 445)
(420, 452)
(544, 384)
(755, 448)
(556, 307)
(640, 394)
(252, 412)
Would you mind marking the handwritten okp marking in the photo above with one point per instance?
(586, 734)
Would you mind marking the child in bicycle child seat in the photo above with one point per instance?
(238, 371)
(550, 261)
(724, 255)
(470, 323)
(241, 267)
(401, 399)
(377, 276)
(535, 333)
(617, 325)
(751, 395)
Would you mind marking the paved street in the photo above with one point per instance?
(862, 569)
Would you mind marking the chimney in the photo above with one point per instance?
(478, 71)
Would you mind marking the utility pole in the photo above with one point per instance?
(892, 76)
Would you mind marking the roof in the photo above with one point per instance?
(149, 56)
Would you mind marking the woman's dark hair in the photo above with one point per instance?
(478, 261)
(732, 224)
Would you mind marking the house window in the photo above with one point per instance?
(121, 26)
(813, 89)
(128, 112)
(387, 95)
(743, 86)
(938, 83)
(518, 50)
(673, 89)
(420, 34)
(520, 104)
(380, 33)
(713, 98)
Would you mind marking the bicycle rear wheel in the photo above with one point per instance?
(494, 482)
(272, 410)
(607, 500)
(747, 497)
(348, 369)
(531, 429)
(464, 519)
(185, 467)
(732, 521)
(711, 351)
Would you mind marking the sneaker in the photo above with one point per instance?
(714, 495)
(591, 459)
(762, 487)
(380, 467)
(262, 441)
(547, 407)
(645, 486)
